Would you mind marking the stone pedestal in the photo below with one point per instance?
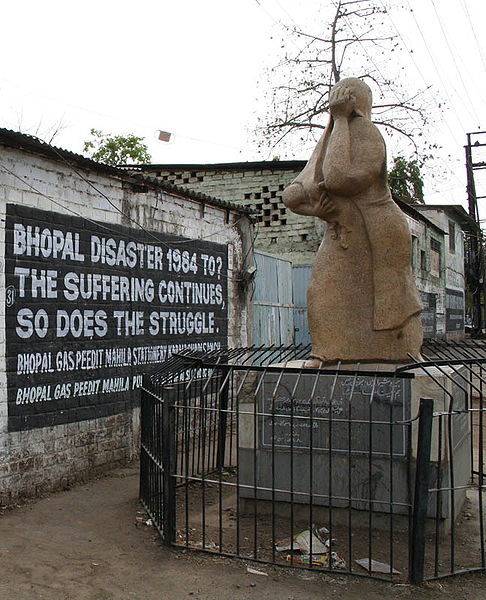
(346, 440)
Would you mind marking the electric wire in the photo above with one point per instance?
(445, 87)
(64, 207)
(284, 10)
(474, 113)
(134, 123)
(427, 87)
(370, 58)
(109, 229)
(474, 34)
(426, 83)
(388, 83)
(131, 219)
(270, 16)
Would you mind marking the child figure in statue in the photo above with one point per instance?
(363, 304)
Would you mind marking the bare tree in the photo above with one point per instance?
(46, 133)
(361, 41)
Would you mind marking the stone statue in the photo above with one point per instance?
(363, 304)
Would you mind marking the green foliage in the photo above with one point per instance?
(405, 180)
(116, 149)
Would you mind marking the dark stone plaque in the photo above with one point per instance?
(343, 412)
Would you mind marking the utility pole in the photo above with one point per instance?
(476, 281)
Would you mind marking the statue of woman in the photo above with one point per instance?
(363, 304)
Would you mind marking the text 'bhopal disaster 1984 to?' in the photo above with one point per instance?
(171, 286)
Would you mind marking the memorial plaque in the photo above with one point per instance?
(341, 413)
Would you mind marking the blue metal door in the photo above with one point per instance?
(274, 308)
(301, 275)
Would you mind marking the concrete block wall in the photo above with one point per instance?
(280, 231)
(36, 461)
(297, 238)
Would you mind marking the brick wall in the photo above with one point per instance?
(39, 460)
(280, 231)
(297, 238)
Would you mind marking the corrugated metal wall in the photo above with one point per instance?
(301, 275)
(274, 308)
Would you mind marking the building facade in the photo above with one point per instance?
(456, 224)
(437, 231)
(104, 275)
(257, 185)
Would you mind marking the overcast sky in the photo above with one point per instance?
(192, 68)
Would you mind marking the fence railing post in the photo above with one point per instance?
(223, 419)
(144, 490)
(169, 457)
(421, 495)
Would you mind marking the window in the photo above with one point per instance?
(435, 257)
(423, 260)
(414, 250)
(452, 237)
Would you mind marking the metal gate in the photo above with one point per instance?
(248, 453)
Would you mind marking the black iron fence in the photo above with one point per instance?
(250, 453)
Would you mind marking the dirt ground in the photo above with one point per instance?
(91, 543)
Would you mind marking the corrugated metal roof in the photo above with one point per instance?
(274, 165)
(455, 211)
(30, 143)
(413, 211)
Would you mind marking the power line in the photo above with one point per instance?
(64, 207)
(427, 87)
(387, 83)
(474, 34)
(426, 83)
(435, 66)
(284, 10)
(454, 60)
(271, 17)
(440, 78)
(133, 123)
(134, 221)
(107, 227)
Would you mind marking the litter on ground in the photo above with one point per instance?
(311, 544)
(255, 572)
(376, 566)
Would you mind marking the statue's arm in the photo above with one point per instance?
(355, 156)
(303, 194)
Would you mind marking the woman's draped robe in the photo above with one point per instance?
(363, 304)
